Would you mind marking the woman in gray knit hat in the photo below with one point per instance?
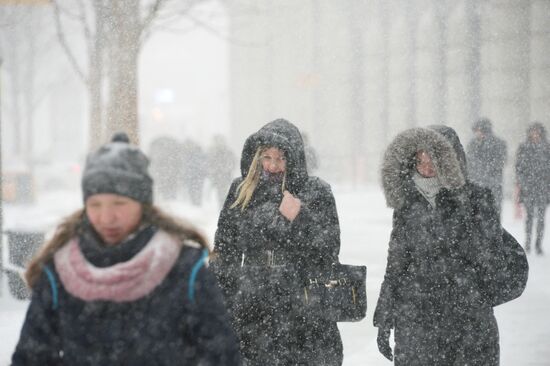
(121, 283)
(449, 260)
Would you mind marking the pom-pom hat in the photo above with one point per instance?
(119, 168)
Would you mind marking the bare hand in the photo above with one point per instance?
(290, 206)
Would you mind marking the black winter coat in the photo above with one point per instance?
(446, 265)
(486, 158)
(165, 327)
(264, 260)
(533, 173)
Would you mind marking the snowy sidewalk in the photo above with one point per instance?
(365, 224)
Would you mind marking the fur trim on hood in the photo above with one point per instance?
(399, 160)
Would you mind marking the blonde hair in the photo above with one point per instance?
(246, 189)
(71, 226)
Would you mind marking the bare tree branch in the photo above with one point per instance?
(153, 10)
(64, 44)
(69, 14)
(156, 18)
(85, 26)
(45, 90)
(210, 29)
(9, 17)
(149, 18)
(201, 19)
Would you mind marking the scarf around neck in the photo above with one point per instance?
(428, 187)
(120, 282)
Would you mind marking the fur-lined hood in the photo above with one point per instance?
(399, 160)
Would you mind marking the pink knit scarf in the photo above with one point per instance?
(125, 281)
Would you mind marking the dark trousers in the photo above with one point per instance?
(534, 212)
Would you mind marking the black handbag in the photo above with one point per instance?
(513, 278)
(338, 293)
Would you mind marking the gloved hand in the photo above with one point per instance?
(383, 341)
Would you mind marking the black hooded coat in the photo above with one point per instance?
(447, 265)
(533, 171)
(264, 259)
(486, 158)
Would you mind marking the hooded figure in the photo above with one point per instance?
(446, 265)
(486, 155)
(277, 225)
(121, 283)
(533, 179)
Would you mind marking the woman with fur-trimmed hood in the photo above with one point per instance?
(121, 283)
(447, 262)
(277, 226)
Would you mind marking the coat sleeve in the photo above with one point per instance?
(396, 267)
(210, 326)
(317, 227)
(39, 340)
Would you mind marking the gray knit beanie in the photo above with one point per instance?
(118, 168)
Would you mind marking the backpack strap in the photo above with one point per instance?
(194, 272)
(53, 286)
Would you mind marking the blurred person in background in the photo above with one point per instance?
(166, 166)
(277, 226)
(312, 159)
(194, 171)
(486, 156)
(533, 181)
(122, 283)
(221, 165)
(448, 257)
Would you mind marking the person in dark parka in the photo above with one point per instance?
(446, 264)
(194, 170)
(121, 283)
(278, 224)
(486, 156)
(533, 180)
(221, 165)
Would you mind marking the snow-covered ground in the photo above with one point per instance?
(365, 224)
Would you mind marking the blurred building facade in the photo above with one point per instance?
(354, 73)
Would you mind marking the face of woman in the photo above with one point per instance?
(424, 164)
(273, 161)
(113, 217)
(534, 136)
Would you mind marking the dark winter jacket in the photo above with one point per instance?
(446, 265)
(180, 321)
(533, 172)
(263, 260)
(486, 158)
(221, 164)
